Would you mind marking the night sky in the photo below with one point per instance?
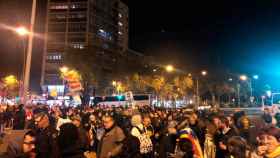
(240, 36)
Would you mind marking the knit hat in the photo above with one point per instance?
(136, 120)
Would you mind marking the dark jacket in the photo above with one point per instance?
(19, 121)
(131, 147)
(46, 144)
(83, 139)
(199, 130)
(223, 137)
(74, 151)
(167, 145)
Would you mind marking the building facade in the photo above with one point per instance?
(101, 25)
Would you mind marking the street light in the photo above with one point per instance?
(256, 77)
(203, 73)
(169, 68)
(114, 83)
(22, 31)
(243, 77)
(64, 69)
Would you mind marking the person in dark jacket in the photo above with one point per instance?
(197, 127)
(83, 135)
(68, 142)
(131, 147)
(168, 142)
(46, 145)
(222, 137)
(19, 119)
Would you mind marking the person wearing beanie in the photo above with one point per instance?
(138, 131)
(136, 122)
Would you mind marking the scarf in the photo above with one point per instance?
(274, 154)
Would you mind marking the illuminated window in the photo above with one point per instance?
(78, 45)
(54, 57)
(78, 6)
(120, 15)
(121, 24)
(120, 33)
(59, 6)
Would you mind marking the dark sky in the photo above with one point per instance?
(17, 13)
(239, 36)
(234, 35)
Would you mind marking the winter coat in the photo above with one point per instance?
(46, 143)
(131, 147)
(111, 142)
(167, 145)
(19, 121)
(223, 137)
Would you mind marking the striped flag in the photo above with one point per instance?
(188, 133)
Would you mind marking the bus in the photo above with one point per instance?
(122, 100)
(275, 99)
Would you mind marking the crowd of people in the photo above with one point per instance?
(142, 132)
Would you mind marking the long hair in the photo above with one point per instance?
(68, 135)
(237, 147)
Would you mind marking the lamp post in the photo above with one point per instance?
(203, 73)
(29, 52)
(22, 32)
(114, 84)
(249, 80)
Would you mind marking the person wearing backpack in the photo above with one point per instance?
(138, 131)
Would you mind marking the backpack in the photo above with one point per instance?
(146, 145)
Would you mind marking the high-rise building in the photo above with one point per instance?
(79, 24)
